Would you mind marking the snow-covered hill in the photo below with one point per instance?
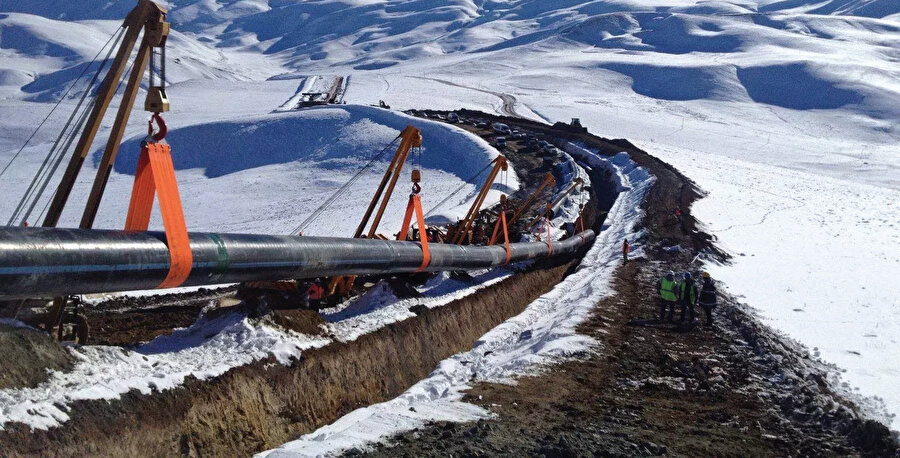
(787, 111)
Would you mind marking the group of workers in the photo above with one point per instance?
(686, 293)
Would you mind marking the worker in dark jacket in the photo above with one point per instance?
(668, 295)
(688, 296)
(708, 297)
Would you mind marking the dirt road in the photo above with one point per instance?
(508, 106)
(655, 388)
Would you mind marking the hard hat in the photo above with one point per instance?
(687, 275)
(670, 275)
(705, 274)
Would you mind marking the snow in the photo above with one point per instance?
(204, 350)
(761, 102)
(379, 306)
(544, 332)
(224, 168)
(852, 319)
(212, 346)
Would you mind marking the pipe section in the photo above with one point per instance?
(38, 261)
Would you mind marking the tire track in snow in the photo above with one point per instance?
(508, 106)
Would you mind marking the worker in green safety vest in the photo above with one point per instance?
(688, 295)
(668, 293)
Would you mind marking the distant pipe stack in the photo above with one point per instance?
(37, 261)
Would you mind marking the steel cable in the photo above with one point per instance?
(68, 144)
(63, 97)
(41, 172)
(340, 191)
(457, 190)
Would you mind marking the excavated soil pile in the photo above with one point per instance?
(130, 320)
(27, 356)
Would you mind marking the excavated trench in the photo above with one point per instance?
(264, 404)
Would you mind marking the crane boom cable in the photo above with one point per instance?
(57, 161)
(40, 175)
(340, 191)
(458, 189)
(119, 32)
(70, 140)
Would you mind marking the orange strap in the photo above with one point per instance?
(156, 175)
(502, 221)
(415, 203)
(581, 220)
(549, 241)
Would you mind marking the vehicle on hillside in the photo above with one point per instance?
(453, 117)
(500, 142)
(501, 128)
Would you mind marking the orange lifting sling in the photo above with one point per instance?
(549, 240)
(155, 175)
(415, 204)
(501, 221)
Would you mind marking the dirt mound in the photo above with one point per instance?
(33, 352)
(131, 320)
(300, 320)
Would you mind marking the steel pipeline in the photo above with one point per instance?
(36, 261)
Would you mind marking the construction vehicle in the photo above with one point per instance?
(546, 182)
(309, 99)
(293, 293)
(146, 20)
(410, 140)
(462, 233)
(552, 206)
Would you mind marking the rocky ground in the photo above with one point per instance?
(652, 388)
(656, 388)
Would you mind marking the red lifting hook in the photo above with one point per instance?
(161, 134)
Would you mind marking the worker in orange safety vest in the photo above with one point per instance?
(626, 248)
(315, 293)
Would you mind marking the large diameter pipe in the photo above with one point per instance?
(39, 261)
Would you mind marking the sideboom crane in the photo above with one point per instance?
(457, 234)
(410, 138)
(550, 206)
(146, 17)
